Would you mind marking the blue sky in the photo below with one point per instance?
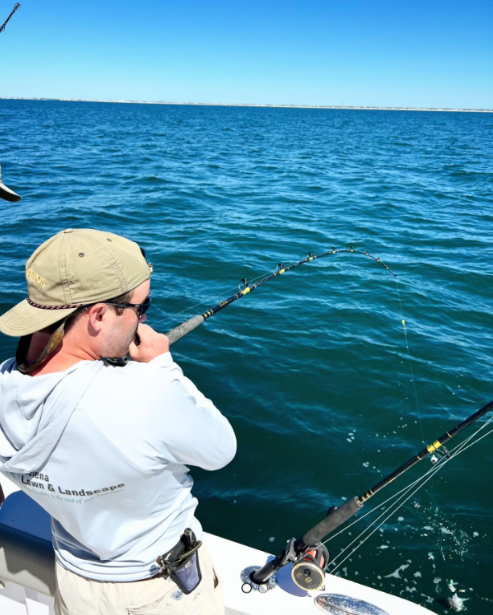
(345, 52)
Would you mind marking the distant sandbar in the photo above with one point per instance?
(199, 104)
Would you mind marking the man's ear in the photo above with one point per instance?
(96, 315)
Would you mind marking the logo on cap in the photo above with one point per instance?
(35, 277)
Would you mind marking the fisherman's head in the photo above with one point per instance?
(91, 286)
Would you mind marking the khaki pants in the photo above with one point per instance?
(76, 595)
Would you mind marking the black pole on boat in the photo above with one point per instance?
(2, 28)
(296, 550)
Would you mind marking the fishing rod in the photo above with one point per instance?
(244, 288)
(2, 28)
(308, 555)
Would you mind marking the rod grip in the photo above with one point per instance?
(181, 330)
(332, 521)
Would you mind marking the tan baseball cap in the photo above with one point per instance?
(74, 268)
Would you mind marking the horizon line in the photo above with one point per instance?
(261, 105)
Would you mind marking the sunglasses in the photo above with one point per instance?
(140, 307)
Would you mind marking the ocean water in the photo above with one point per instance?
(314, 370)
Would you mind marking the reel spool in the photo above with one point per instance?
(308, 572)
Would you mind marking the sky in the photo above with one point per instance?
(414, 53)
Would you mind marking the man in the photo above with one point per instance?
(103, 448)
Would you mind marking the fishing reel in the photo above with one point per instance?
(309, 571)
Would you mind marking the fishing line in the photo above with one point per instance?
(460, 448)
(392, 497)
(392, 512)
(370, 512)
(393, 509)
(410, 362)
(386, 513)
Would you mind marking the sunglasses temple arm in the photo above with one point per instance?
(189, 325)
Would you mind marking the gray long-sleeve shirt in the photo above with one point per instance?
(113, 473)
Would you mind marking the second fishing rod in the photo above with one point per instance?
(308, 555)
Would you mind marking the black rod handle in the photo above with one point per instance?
(332, 521)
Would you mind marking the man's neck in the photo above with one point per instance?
(63, 358)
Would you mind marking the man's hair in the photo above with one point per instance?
(121, 300)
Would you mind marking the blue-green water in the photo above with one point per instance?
(312, 369)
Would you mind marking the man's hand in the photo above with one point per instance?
(152, 344)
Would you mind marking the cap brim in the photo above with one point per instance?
(7, 194)
(24, 319)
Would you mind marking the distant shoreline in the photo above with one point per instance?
(198, 104)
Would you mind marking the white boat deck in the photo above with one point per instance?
(27, 571)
